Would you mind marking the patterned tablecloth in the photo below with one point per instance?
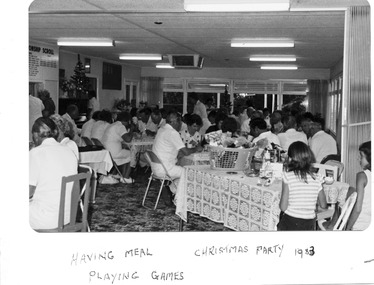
(137, 146)
(197, 158)
(233, 199)
(99, 160)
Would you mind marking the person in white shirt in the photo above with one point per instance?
(99, 127)
(200, 109)
(65, 133)
(87, 127)
(92, 105)
(321, 143)
(290, 133)
(157, 120)
(116, 133)
(36, 108)
(49, 161)
(145, 124)
(72, 113)
(168, 146)
(276, 122)
(259, 131)
(252, 113)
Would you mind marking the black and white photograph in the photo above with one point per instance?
(187, 141)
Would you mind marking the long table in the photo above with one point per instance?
(235, 199)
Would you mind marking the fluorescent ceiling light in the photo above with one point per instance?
(164, 65)
(138, 56)
(262, 43)
(218, 85)
(86, 42)
(272, 58)
(279, 67)
(236, 5)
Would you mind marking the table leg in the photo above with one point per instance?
(181, 225)
(93, 187)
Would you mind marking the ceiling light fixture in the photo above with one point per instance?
(279, 67)
(138, 56)
(164, 65)
(236, 5)
(86, 42)
(272, 58)
(262, 43)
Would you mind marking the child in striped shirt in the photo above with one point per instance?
(301, 189)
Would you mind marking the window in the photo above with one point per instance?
(334, 104)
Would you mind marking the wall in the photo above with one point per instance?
(43, 67)
(105, 97)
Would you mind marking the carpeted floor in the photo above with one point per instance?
(118, 208)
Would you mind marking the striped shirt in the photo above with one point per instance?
(303, 196)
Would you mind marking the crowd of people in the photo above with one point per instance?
(301, 135)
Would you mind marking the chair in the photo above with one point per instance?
(75, 204)
(152, 158)
(344, 215)
(87, 141)
(324, 170)
(97, 142)
(331, 157)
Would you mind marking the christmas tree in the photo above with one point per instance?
(80, 79)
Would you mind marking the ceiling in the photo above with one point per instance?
(318, 35)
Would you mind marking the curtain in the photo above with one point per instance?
(151, 90)
(318, 96)
(356, 126)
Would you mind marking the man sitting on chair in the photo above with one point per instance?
(168, 146)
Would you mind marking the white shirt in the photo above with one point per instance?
(245, 126)
(272, 138)
(47, 164)
(87, 127)
(200, 109)
(98, 129)
(72, 145)
(35, 111)
(322, 144)
(150, 126)
(167, 145)
(290, 136)
(112, 140)
(93, 104)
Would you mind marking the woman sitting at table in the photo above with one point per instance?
(49, 161)
(116, 133)
(301, 189)
(229, 125)
(87, 126)
(191, 136)
(65, 133)
(99, 127)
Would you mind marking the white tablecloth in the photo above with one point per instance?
(235, 199)
(99, 161)
(137, 146)
(197, 158)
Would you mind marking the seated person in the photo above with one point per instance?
(290, 133)
(65, 133)
(230, 125)
(87, 127)
(49, 161)
(219, 118)
(191, 136)
(72, 113)
(276, 122)
(244, 126)
(145, 124)
(168, 146)
(320, 142)
(158, 120)
(99, 127)
(212, 117)
(116, 133)
(259, 131)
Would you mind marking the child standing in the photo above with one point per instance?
(301, 189)
(361, 213)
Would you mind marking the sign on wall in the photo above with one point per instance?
(43, 62)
